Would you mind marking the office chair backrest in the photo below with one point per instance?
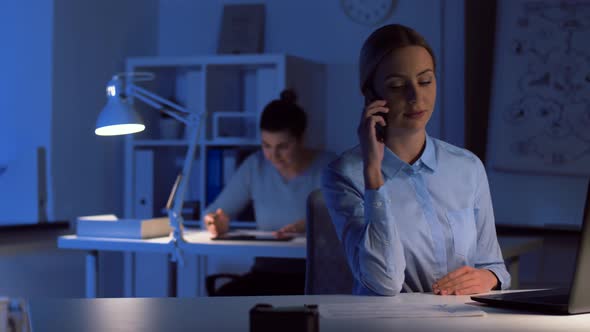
(327, 270)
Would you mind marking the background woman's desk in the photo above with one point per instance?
(200, 245)
(231, 314)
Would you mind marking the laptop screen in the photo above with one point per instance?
(556, 301)
(580, 292)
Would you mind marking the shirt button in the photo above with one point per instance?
(378, 204)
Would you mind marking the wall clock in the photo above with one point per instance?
(368, 12)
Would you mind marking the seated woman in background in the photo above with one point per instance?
(413, 213)
(277, 181)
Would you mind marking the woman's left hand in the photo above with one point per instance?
(465, 280)
(296, 227)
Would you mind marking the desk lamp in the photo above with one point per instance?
(119, 117)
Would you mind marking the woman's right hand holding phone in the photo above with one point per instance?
(372, 147)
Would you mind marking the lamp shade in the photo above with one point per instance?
(118, 117)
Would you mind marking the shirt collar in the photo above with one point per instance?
(392, 164)
(428, 157)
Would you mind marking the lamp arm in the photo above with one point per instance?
(158, 103)
(193, 123)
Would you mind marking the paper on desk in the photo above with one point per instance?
(384, 310)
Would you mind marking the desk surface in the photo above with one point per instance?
(231, 313)
(199, 242)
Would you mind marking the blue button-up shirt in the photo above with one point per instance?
(428, 219)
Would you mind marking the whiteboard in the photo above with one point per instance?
(540, 106)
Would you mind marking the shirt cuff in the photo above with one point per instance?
(502, 275)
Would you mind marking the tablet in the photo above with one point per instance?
(251, 236)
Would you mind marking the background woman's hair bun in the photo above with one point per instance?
(284, 114)
(289, 96)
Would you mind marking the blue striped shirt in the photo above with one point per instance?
(427, 220)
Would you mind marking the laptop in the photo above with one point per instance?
(575, 300)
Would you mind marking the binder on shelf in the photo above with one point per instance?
(108, 225)
(143, 204)
(214, 169)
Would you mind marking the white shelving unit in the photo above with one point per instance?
(241, 84)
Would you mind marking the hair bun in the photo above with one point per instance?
(289, 96)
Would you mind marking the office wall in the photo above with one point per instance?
(91, 41)
(25, 103)
(57, 57)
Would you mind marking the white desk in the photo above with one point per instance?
(199, 244)
(231, 314)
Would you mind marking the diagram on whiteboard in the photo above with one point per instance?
(540, 119)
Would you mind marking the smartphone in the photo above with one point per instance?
(380, 129)
(371, 96)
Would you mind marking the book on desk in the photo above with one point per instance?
(108, 225)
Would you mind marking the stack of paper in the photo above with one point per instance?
(108, 225)
(381, 310)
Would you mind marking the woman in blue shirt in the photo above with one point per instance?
(277, 180)
(413, 213)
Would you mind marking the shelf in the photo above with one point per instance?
(160, 142)
(232, 141)
(180, 142)
(243, 59)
